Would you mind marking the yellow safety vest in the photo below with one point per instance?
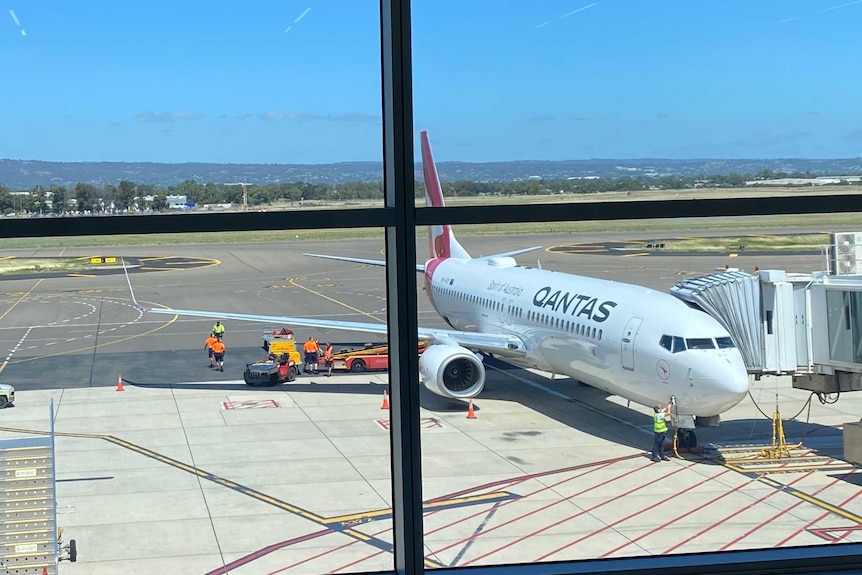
(658, 424)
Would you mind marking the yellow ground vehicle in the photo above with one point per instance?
(281, 341)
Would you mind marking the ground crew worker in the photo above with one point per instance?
(327, 358)
(208, 345)
(218, 330)
(659, 427)
(218, 354)
(312, 352)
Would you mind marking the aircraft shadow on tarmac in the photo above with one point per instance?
(589, 410)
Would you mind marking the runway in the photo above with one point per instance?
(189, 470)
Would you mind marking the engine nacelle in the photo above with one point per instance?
(451, 371)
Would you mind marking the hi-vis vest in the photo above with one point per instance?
(658, 424)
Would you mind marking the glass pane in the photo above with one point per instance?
(250, 460)
(178, 111)
(558, 442)
(190, 108)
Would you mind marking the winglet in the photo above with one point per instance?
(131, 291)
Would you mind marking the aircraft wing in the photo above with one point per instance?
(419, 267)
(500, 344)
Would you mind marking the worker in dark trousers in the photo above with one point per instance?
(208, 346)
(659, 427)
(327, 358)
(218, 354)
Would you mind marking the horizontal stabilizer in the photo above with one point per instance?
(514, 252)
(382, 263)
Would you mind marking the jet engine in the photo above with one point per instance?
(451, 371)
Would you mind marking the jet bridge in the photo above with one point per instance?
(808, 326)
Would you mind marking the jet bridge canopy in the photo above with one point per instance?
(733, 298)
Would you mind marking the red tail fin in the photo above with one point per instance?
(441, 240)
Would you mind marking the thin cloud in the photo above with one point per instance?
(839, 6)
(297, 19)
(301, 16)
(662, 116)
(543, 118)
(166, 117)
(587, 7)
(791, 19)
(543, 24)
(357, 118)
(17, 22)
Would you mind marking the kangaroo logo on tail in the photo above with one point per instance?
(441, 241)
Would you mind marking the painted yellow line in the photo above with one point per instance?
(81, 275)
(827, 506)
(20, 299)
(427, 506)
(333, 300)
(7, 257)
(636, 255)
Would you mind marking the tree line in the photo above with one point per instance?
(130, 196)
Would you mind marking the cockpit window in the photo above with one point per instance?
(724, 342)
(665, 342)
(672, 343)
(700, 343)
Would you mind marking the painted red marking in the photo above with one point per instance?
(820, 518)
(249, 404)
(779, 514)
(735, 513)
(569, 518)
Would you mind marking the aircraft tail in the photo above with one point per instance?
(441, 240)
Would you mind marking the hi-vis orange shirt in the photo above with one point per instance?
(310, 346)
(218, 347)
(210, 341)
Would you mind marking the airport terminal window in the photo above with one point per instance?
(777, 560)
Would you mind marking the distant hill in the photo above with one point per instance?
(24, 174)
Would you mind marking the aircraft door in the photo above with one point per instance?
(628, 343)
(505, 311)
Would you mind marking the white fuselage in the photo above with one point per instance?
(625, 339)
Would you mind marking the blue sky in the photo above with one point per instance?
(190, 81)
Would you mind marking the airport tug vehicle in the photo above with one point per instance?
(7, 395)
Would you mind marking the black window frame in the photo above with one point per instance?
(399, 217)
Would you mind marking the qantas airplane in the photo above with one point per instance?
(640, 344)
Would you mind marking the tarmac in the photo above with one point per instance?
(188, 470)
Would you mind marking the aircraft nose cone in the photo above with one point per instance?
(734, 382)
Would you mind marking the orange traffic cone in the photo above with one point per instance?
(470, 413)
(385, 400)
(120, 382)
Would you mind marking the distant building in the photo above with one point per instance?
(819, 181)
(177, 202)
